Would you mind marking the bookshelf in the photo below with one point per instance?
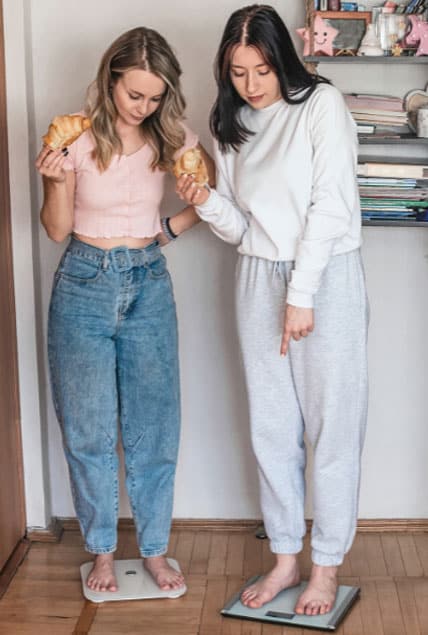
(409, 141)
(395, 223)
(354, 59)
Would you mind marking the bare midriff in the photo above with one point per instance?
(109, 243)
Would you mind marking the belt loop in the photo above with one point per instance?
(105, 261)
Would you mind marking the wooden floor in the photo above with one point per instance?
(45, 596)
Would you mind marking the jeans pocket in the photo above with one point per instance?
(158, 268)
(77, 269)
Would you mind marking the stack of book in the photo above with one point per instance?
(413, 6)
(379, 116)
(393, 189)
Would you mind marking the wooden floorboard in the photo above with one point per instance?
(45, 597)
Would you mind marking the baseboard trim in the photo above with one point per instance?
(12, 565)
(402, 525)
(52, 533)
(364, 526)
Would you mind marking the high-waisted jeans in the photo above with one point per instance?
(112, 343)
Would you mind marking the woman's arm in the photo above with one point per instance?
(333, 203)
(216, 206)
(187, 218)
(58, 194)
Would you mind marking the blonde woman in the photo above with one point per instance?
(112, 335)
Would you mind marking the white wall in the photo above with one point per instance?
(216, 474)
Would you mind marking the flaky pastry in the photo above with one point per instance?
(192, 163)
(65, 129)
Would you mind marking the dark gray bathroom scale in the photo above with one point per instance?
(281, 609)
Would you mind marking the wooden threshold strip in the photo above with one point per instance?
(52, 533)
(365, 526)
(86, 618)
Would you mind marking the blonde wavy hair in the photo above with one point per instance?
(145, 49)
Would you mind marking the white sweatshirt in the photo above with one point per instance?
(291, 193)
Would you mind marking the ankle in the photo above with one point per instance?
(286, 560)
(104, 558)
(320, 571)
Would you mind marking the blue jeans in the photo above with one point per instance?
(112, 344)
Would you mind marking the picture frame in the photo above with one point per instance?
(351, 25)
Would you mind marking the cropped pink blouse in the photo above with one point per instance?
(125, 199)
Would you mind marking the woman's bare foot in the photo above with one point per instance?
(284, 574)
(320, 594)
(163, 574)
(101, 576)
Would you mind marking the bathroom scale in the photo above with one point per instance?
(133, 581)
(281, 609)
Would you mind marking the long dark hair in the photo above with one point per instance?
(257, 25)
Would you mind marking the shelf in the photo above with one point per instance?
(395, 223)
(355, 59)
(403, 139)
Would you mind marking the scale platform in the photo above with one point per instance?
(281, 609)
(134, 583)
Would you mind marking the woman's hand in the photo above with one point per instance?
(50, 164)
(162, 239)
(190, 192)
(298, 323)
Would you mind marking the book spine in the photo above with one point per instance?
(394, 170)
(412, 4)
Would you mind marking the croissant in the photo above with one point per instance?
(191, 162)
(65, 129)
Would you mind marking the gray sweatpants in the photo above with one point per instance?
(319, 388)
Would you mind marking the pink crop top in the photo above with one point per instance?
(122, 201)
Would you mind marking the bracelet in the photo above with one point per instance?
(166, 228)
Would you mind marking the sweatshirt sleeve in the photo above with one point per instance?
(220, 210)
(334, 197)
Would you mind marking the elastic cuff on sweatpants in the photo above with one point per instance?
(327, 559)
(286, 547)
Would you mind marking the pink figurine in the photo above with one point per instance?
(324, 35)
(418, 34)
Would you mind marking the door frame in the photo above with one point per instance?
(21, 546)
(24, 202)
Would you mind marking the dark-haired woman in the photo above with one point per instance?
(287, 196)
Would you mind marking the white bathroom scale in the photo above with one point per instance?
(133, 581)
(281, 609)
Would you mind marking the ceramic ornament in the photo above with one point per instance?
(370, 44)
(324, 35)
(418, 34)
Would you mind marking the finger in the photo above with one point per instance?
(182, 187)
(61, 159)
(195, 193)
(180, 183)
(284, 342)
(189, 185)
(42, 155)
(56, 167)
(51, 157)
(296, 336)
(304, 332)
